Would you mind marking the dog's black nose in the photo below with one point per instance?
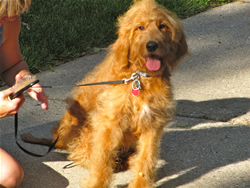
(151, 46)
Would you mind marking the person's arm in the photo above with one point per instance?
(12, 63)
(11, 59)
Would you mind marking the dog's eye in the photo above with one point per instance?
(141, 28)
(162, 26)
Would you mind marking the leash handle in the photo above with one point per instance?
(26, 151)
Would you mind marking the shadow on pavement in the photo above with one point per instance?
(197, 152)
(217, 110)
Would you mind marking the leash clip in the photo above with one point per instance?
(133, 77)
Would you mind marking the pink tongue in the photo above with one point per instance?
(153, 64)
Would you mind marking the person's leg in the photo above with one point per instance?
(11, 172)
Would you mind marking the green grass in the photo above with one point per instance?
(56, 31)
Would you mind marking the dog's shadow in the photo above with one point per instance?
(192, 153)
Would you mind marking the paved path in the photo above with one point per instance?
(208, 143)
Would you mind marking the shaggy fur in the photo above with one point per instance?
(106, 128)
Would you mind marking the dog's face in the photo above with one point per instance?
(150, 39)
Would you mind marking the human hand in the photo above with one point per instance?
(37, 93)
(9, 107)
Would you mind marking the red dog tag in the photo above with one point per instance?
(136, 87)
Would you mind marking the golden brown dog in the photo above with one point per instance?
(109, 127)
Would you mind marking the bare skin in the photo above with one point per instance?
(11, 172)
(13, 68)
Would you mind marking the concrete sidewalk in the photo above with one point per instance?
(208, 143)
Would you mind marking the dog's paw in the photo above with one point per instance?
(94, 182)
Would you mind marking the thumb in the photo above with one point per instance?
(5, 93)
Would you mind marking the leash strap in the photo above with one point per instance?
(26, 151)
(70, 165)
(102, 83)
(89, 84)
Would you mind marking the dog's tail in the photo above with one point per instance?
(29, 138)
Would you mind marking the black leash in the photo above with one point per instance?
(26, 151)
(123, 81)
(90, 84)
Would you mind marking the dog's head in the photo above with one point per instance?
(150, 39)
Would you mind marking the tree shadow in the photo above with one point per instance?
(216, 110)
(197, 152)
(213, 34)
(192, 153)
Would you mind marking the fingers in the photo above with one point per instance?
(43, 98)
(9, 107)
(38, 94)
(18, 77)
(6, 92)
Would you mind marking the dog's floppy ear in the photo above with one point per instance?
(121, 47)
(181, 49)
(179, 46)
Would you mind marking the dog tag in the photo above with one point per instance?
(136, 87)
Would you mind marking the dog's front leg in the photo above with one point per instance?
(102, 156)
(143, 163)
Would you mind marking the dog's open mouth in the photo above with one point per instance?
(153, 63)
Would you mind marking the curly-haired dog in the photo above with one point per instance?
(108, 128)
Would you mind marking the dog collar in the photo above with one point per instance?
(142, 74)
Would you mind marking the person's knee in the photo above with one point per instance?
(12, 178)
(11, 171)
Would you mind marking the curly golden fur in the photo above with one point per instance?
(106, 128)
